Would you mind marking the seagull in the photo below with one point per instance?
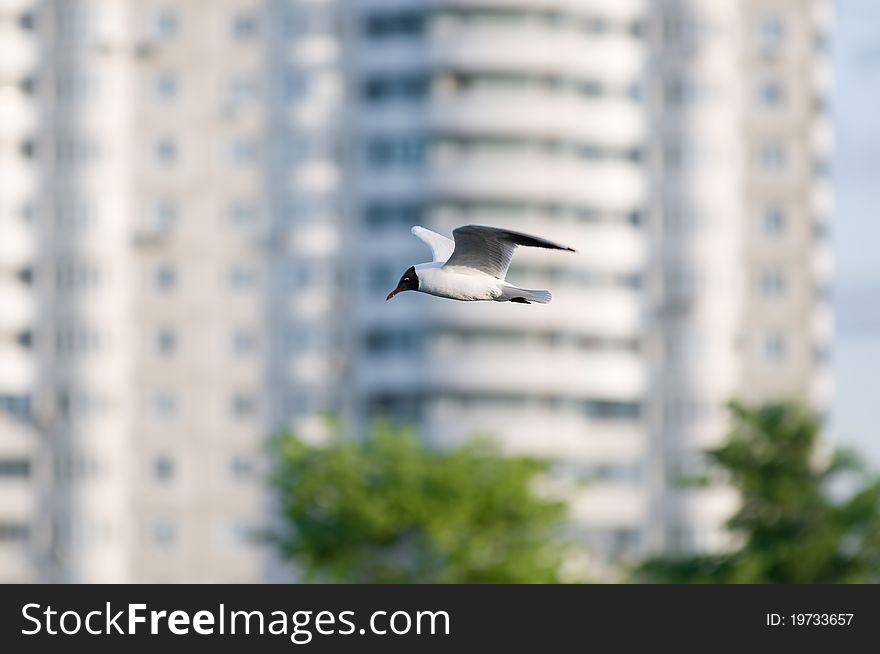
(473, 266)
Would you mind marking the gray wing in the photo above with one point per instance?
(489, 249)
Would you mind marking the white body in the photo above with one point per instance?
(465, 284)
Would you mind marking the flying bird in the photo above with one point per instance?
(472, 267)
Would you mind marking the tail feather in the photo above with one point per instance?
(526, 296)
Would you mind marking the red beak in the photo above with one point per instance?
(392, 294)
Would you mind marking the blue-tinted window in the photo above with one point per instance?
(773, 221)
(246, 26)
(167, 24)
(166, 151)
(166, 278)
(394, 24)
(398, 150)
(165, 86)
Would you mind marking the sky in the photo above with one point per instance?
(855, 414)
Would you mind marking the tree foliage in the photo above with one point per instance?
(389, 509)
(803, 518)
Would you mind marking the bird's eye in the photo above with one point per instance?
(406, 279)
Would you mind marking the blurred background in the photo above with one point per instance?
(203, 204)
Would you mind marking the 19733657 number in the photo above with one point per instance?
(810, 619)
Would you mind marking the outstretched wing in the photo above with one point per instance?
(489, 249)
(441, 247)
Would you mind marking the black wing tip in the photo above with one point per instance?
(552, 246)
(519, 238)
(534, 242)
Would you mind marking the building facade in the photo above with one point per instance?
(526, 115)
(209, 200)
(20, 443)
(739, 207)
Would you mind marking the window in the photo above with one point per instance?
(163, 532)
(245, 26)
(380, 342)
(14, 531)
(75, 151)
(74, 274)
(244, 151)
(76, 340)
(165, 86)
(773, 347)
(28, 149)
(295, 86)
(163, 469)
(400, 150)
(26, 211)
(165, 405)
(678, 92)
(167, 24)
(773, 284)
(166, 342)
(244, 88)
(237, 533)
(772, 157)
(395, 24)
(678, 30)
(243, 278)
(17, 406)
(72, 214)
(771, 34)
(15, 468)
(28, 85)
(244, 212)
(27, 22)
(165, 215)
(166, 151)
(382, 88)
(770, 94)
(242, 468)
(682, 282)
(166, 278)
(75, 87)
(773, 221)
(244, 405)
(244, 342)
(26, 275)
(612, 410)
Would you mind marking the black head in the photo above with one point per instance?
(408, 282)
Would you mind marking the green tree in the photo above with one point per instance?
(389, 509)
(803, 518)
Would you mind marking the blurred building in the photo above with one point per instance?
(20, 444)
(527, 115)
(210, 199)
(681, 147)
(151, 271)
(737, 292)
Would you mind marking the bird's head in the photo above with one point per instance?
(409, 281)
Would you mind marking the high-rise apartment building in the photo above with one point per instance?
(20, 444)
(738, 213)
(152, 273)
(526, 115)
(205, 202)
